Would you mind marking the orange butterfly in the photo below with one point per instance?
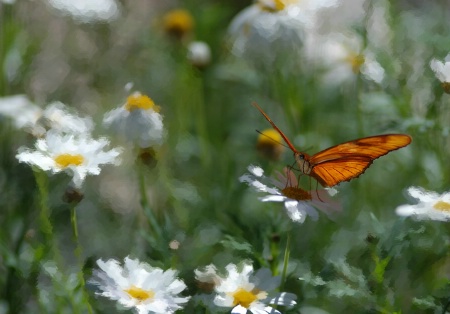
(345, 161)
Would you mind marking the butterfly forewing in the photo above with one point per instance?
(372, 147)
(348, 160)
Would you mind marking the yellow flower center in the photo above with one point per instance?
(178, 22)
(244, 297)
(269, 144)
(269, 137)
(296, 193)
(139, 293)
(356, 61)
(140, 102)
(65, 160)
(442, 206)
(275, 5)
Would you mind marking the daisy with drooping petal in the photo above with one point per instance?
(442, 71)
(138, 121)
(342, 57)
(431, 205)
(298, 202)
(265, 29)
(270, 31)
(138, 285)
(79, 155)
(86, 11)
(245, 290)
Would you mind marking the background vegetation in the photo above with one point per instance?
(368, 260)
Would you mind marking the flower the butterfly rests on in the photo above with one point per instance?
(345, 161)
(284, 188)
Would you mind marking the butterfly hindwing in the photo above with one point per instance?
(332, 172)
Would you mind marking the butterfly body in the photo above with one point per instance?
(346, 161)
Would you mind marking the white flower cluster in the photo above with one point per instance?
(150, 289)
(318, 35)
(65, 141)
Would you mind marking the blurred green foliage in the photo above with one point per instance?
(368, 260)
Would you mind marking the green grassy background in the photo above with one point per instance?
(367, 261)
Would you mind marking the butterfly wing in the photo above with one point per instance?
(348, 160)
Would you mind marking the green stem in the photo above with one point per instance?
(48, 249)
(287, 252)
(149, 213)
(78, 253)
(201, 119)
(44, 215)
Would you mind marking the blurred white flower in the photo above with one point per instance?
(37, 121)
(342, 57)
(138, 121)
(138, 285)
(247, 290)
(208, 276)
(431, 205)
(79, 155)
(298, 202)
(87, 11)
(21, 110)
(56, 116)
(442, 71)
(199, 54)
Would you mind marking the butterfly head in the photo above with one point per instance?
(303, 163)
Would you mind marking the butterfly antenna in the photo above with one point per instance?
(288, 142)
(272, 139)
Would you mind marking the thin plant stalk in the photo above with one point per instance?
(48, 249)
(287, 253)
(149, 213)
(44, 214)
(78, 254)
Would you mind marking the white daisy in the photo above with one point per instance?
(247, 290)
(442, 71)
(138, 121)
(298, 202)
(138, 285)
(79, 155)
(431, 205)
